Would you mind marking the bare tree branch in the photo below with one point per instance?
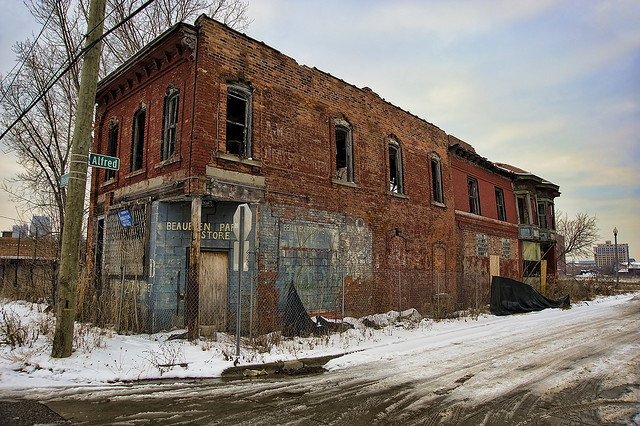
(580, 234)
(41, 140)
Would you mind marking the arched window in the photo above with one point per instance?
(170, 123)
(137, 139)
(344, 151)
(112, 146)
(436, 180)
(396, 181)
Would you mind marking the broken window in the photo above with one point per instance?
(395, 168)
(542, 215)
(546, 216)
(238, 121)
(436, 180)
(523, 210)
(170, 123)
(344, 153)
(474, 196)
(502, 213)
(137, 139)
(112, 146)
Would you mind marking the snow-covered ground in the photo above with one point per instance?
(103, 356)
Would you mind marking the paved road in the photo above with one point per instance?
(567, 373)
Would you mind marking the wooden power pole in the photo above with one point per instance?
(71, 234)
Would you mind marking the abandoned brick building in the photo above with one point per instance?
(485, 213)
(347, 198)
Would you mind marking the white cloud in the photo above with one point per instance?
(446, 18)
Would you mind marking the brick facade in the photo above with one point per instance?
(338, 180)
(484, 238)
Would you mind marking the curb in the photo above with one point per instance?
(280, 368)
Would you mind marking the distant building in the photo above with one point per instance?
(20, 231)
(40, 227)
(605, 254)
(581, 267)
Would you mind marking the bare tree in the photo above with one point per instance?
(580, 234)
(157, 17)
(41, 140)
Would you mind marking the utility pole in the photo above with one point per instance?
(71, 234)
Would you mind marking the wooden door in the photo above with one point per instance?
(494, 265)
(212, 308)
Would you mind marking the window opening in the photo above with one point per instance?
(395, 168)
(238, 121)
(112, 147)
(523, 211)
(502, 213)
(170, 124)
(344, 154)
(474, 197)
(137, 140)
(436, 178)
(542, 216)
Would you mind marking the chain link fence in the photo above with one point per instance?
(300, 292)
(327, 294)
(121, 278)
(29, 269)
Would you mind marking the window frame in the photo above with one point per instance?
(112, 146)
(242, 94)
(500, 205)
(170, 123)
(522, 204)
(395, 168)
(474, 195)
(344, 174)
(137, 139)
(436, 180)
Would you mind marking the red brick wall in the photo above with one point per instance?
(487, 181)
(294, 108)
(145, 84)
(469, 225)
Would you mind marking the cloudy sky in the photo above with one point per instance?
(550, 86)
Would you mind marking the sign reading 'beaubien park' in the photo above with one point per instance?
(102, 161)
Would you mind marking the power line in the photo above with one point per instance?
(73, 62)
(11, 218)
(24, 60)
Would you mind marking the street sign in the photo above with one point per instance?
(125, 218)
(104, 162)
(247, 221)
(64, 180)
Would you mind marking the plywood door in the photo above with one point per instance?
(494, 265)
(214, 270)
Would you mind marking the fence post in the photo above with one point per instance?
(438, 293)
(123, 268)
(343, 290)
(399, 293)
(476, 292)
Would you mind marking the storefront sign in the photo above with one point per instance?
(209, 231)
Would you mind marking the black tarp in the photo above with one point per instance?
(295, 318)
(511, 297)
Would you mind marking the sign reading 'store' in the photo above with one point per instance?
(104, 162)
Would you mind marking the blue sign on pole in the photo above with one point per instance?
(125, 218)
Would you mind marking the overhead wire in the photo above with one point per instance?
(24, 60)
(73, 62)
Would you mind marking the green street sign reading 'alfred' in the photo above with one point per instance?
(102, 161)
